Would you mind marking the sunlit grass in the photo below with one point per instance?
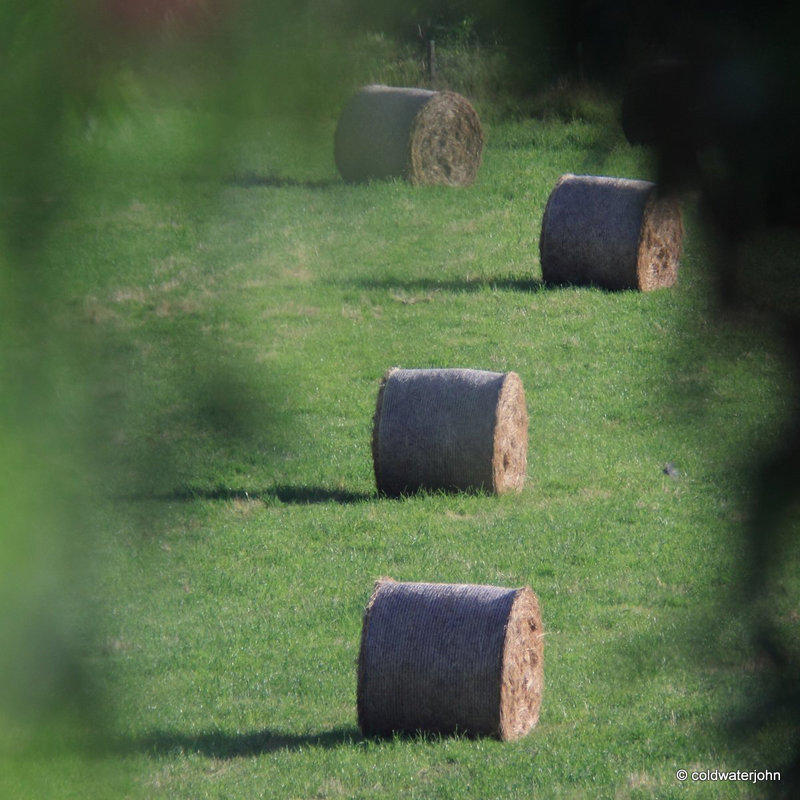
(233, 328)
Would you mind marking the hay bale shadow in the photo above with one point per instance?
(427, 287)
(309, 495)
(291, 495)
(227, 746)
(467, 284)
(253, 180)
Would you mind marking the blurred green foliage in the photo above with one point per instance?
(69, 70)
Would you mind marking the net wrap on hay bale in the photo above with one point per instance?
(615, 233)
(423, 136)
(447, 658)
(451, 430)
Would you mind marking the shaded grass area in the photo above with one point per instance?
(232, 335)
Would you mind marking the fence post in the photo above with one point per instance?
(431, 59)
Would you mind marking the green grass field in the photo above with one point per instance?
(207, 361)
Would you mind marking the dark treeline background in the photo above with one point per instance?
(603, 39)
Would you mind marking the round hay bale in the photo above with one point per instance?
(615, 233)
(423, 136)
(449, 429)
(448, 658)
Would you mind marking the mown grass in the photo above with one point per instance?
(227, 338)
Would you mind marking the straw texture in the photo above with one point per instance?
(449, 429)
(446, 658)
(423, 136)
(614, 233)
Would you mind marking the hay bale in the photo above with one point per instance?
(448, 658)
(424, 136)
(450, 429)
(611, 232)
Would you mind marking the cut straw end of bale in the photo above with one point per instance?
(450, 658)
(423, 136)
(615, 233)
(449, 430)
